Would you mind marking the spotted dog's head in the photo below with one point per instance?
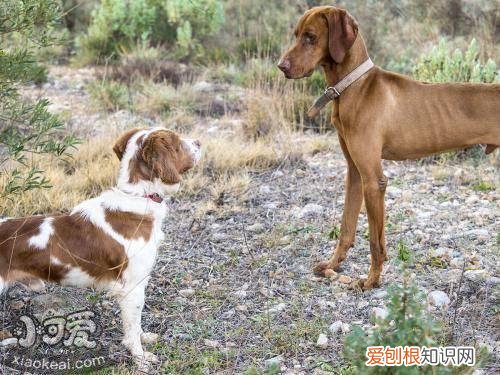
(153, 160)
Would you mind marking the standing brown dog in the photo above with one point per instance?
(384, 115)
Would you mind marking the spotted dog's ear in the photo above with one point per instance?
(342, 32)
(159, 153)
(121, 144)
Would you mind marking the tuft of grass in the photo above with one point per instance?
(403, 251)
(109, 95)
(483, 186)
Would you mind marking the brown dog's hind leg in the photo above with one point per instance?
(352, 206)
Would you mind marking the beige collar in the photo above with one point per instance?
(333, 92)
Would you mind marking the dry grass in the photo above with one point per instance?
(92, 169)
(225, 169)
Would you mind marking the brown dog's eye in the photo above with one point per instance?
(309, 38)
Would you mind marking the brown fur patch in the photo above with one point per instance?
(130, 225)
(76, 242)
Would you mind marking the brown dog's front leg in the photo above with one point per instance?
(352, 206)
(374, 191)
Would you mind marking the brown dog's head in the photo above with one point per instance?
(154, 159)
(323, 36)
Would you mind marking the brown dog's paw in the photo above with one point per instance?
(365, 284)
(320, 268)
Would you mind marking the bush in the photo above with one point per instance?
(26, 129)
(442, 65)
(407, 324)
(118, 25)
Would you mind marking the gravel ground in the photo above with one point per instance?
(233, 288)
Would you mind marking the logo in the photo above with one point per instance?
(54, 343)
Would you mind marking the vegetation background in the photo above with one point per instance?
(75, 73)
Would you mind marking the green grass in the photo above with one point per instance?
(483, 186)
(404, 253)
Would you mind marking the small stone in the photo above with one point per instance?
(331, 274)
(322, 341)
(211, 343)
(279, 307)
(274, 362)
(256, 228)
(335, 327)
(241, 308)
(380, 294)
(264, 189)
(344, 279)
(186, 293)
(378, 313)
(476, 275)
(346, 328)
(309, 210)
(438, 298)
(240, 293)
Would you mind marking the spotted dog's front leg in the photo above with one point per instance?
(131, 305)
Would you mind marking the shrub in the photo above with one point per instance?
(442, 65)
(109, 95)
(118, 25)
(407, 324)
(26, 129)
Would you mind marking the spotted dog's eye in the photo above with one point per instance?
(309, 38)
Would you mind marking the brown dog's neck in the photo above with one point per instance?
(356, 55)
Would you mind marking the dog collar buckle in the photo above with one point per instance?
(333, 92)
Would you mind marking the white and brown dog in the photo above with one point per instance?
(109, 242)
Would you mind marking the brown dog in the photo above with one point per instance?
(384, 115)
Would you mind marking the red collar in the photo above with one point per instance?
(155, 197)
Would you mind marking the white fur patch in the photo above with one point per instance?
(41, 240)
(4, 219)
(77, 277)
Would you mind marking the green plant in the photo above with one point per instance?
(109, 95)
(443, 65)
(406, 324)
(403, 251)
(118, 25)
(26, 129)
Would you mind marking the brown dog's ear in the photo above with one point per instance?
(121, 144)
(157, 152)
(342, 32)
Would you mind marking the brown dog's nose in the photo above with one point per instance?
(197, 143)
(284, 65)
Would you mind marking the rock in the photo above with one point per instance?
(322, 341)
(274, 362)
(346, 328)
(335, 327)
(480, 234)
(476, 275)
(240, 293)
(279, 307)
(264, 189)
(309, 210)
(278, 174)
(344, 279)
(241, 308)
(438, 299)
(380, 294)
(186, 293)
(203, 86)
(211, 343)
(331, 274)
(443, 252)
(219, 236)
(256, 228)
(378, 313)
